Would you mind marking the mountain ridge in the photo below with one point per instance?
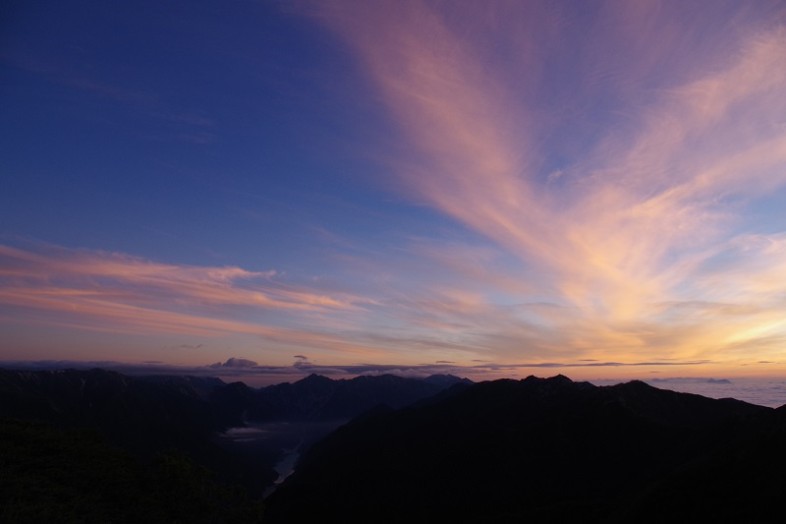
(149, 415)
(548, 450)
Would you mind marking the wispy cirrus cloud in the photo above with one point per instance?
(603, 171)
(82, 273)
(117, 293)
(644, 216)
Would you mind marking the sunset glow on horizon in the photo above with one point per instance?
(486, 188)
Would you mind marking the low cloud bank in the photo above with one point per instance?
(236, 368)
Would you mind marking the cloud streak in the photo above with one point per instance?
(606, 174)
(116, 293)
(136, 279)
(633, 228)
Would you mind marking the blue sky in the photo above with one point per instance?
(596, 188)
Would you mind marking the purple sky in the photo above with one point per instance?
(593, 188)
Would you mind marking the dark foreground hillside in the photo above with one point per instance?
(99, 446)
(58, 475)
(546, 450)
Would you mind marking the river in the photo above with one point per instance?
(283, 441)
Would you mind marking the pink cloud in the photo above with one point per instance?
(633, 220)
(114, 293)
(104, 274)
(630, 246)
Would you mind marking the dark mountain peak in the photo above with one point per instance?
(635, 389)
(597, 451)
(68, 382)
(136, 412)
(202, 387)
(557, 379)
(673, 408)
(314, 379)
(446, 380)
(316, 397)
(384, 378)
(237, 392)
(551, 386)
(238, 385)
(637, 385)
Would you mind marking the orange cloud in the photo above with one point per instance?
(116, 293)
(633, 224)
(141, 280)
(632, 246)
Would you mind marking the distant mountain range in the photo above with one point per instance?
(318, 398)
(546, 450)
(172, 405)
(413, 450)
(148, 416)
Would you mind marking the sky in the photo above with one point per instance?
(497, 188)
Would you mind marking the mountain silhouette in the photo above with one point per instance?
(155, 415)
(414, 450)
(544, 450)
(143, 415)
(187, 405)
(319, 398)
